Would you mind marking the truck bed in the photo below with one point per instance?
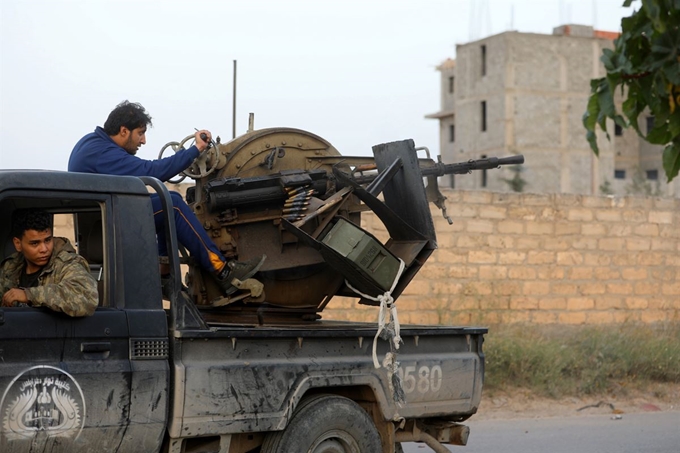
(235, 378)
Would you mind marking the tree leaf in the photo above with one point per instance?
(672, 72)
(618, 119)
(606, 100)
(674, 123)
(653, 11)
(671, 160)
(660, 135)
(606, 59)
(592, 140)
(665, 46)
(646, 92)
(592, 112)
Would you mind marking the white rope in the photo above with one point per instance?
(386, 306)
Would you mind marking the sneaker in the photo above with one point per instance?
(240, 271)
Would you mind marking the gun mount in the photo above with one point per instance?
(289, 194)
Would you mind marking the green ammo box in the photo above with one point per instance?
(365, 251)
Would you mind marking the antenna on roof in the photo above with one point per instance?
(487, 12)
(512, 17)
(473, 21)
(569, 13)
(480, 19)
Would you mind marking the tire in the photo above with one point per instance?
(326, 424)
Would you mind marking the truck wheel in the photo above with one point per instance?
(326, 424)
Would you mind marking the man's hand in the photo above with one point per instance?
(202, 144)
(14, 295)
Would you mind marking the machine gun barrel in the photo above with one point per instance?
(466, 167)
(231, 192)
(459, 168)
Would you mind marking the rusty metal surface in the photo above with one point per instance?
(239, 207)
(293, 275)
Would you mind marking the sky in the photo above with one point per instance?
(355, 72)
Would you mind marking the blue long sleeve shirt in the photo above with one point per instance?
(98, 153)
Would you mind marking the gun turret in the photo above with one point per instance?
(290, 195)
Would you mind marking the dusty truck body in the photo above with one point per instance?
(230, 376)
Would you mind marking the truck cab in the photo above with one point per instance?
(102, 380)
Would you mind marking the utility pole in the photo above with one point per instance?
(233, 110)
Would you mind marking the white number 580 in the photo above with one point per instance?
(426, 379)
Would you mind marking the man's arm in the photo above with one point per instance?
(120, 162)
(117, 161)
(6, 282)
(75, 292)
(14, 297)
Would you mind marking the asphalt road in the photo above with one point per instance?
(652, 432)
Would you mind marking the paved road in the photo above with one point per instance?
(652, 432)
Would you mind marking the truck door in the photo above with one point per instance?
(65, 383)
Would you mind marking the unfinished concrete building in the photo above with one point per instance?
(525, 93)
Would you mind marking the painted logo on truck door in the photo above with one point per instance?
(42, 399)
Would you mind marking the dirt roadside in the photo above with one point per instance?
(520, 403)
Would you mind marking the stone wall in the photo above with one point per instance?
(544, 259)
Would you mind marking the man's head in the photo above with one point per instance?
(32, 237)
(126, 125)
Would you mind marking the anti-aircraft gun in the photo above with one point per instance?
(290, 195)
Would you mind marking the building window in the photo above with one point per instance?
(618, 130)
(653, 175)
(650, 124)
(619, 174)
(483, 60)
(483, 116)
(452, 133)
(484, 175)
(451, 80)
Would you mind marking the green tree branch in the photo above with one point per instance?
(645, 65)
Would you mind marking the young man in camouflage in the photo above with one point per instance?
(45, 271)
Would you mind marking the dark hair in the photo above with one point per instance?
(30, 219)
(129, 114)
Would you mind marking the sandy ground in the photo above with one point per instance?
(522, 404)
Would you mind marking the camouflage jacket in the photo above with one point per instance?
(65, 282)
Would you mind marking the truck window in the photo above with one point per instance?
(90, 234)
(80, 221)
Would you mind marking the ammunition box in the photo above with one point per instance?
(364, 251)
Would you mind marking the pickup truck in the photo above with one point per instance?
(138, 376)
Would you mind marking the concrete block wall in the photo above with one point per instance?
(542, 259)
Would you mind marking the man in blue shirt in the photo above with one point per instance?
(111, 150)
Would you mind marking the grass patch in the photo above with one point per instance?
(559, 361)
